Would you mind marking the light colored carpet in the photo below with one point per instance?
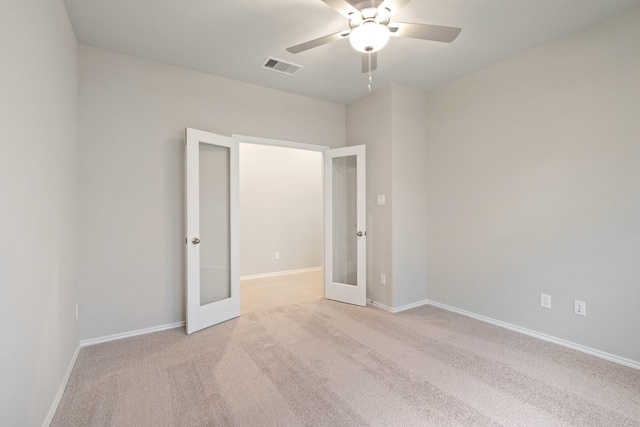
(270, 292)
(324, 363)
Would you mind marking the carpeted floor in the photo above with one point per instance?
(324, 363)
(265, 293)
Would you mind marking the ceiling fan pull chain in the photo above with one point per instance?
(369, 72)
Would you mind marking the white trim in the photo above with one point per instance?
(398, 309)
(63, 385)
(280, 273)
(114, 337)
(379, 305)
(584, 349)
(410, 306)
(279, 143)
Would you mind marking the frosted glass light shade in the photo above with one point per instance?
(369, 37)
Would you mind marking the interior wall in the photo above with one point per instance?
(390, 122)
(39, 199)
(409, 209)
(132, 121)
(369, 122)
(534, 187)
(281, 209)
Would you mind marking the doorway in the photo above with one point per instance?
(213, 262)
(281, 226)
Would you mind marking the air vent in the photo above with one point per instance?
(281, 66)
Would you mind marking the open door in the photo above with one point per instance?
(345, 246)
(212, 250)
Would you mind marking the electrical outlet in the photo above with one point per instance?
(579, 307)
(383, 279)
(545, 300)
(277, 255)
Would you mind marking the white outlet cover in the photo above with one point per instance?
(545, 300)
(381, 199)
(579, 307)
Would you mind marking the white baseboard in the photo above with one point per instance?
(398, 309)
(410, 306)
(107, 338)
(63, 385)
(584, 349)
(379, 305)
(280, 273)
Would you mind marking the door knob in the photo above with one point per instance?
(195, 240)
(360, 233)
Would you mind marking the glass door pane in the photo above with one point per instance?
(344, 224)
(345, 205)
(215, 266)
(211, 243)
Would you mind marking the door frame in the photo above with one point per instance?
(279, 143)
(309, 147)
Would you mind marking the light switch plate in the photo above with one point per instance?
(381, 199)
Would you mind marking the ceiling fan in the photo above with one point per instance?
(370, 27)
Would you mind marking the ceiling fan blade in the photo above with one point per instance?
(318, 42)
(342, 7)
(394, 5)
(365, 62)
(424, 31)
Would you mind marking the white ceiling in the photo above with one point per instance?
(231, 38)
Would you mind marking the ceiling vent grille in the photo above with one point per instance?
(281, 66)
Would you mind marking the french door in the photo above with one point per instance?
(212, 251)
(345, 243)
(212, 230)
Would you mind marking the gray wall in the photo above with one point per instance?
(39, 206)
(409, 208)
(281, 209)
(391, 124)
(133, 115)
(534, 186)
(369, 122)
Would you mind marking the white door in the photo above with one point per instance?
(213, 256)
(345, 247)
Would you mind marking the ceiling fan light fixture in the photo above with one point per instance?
(369, 37)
